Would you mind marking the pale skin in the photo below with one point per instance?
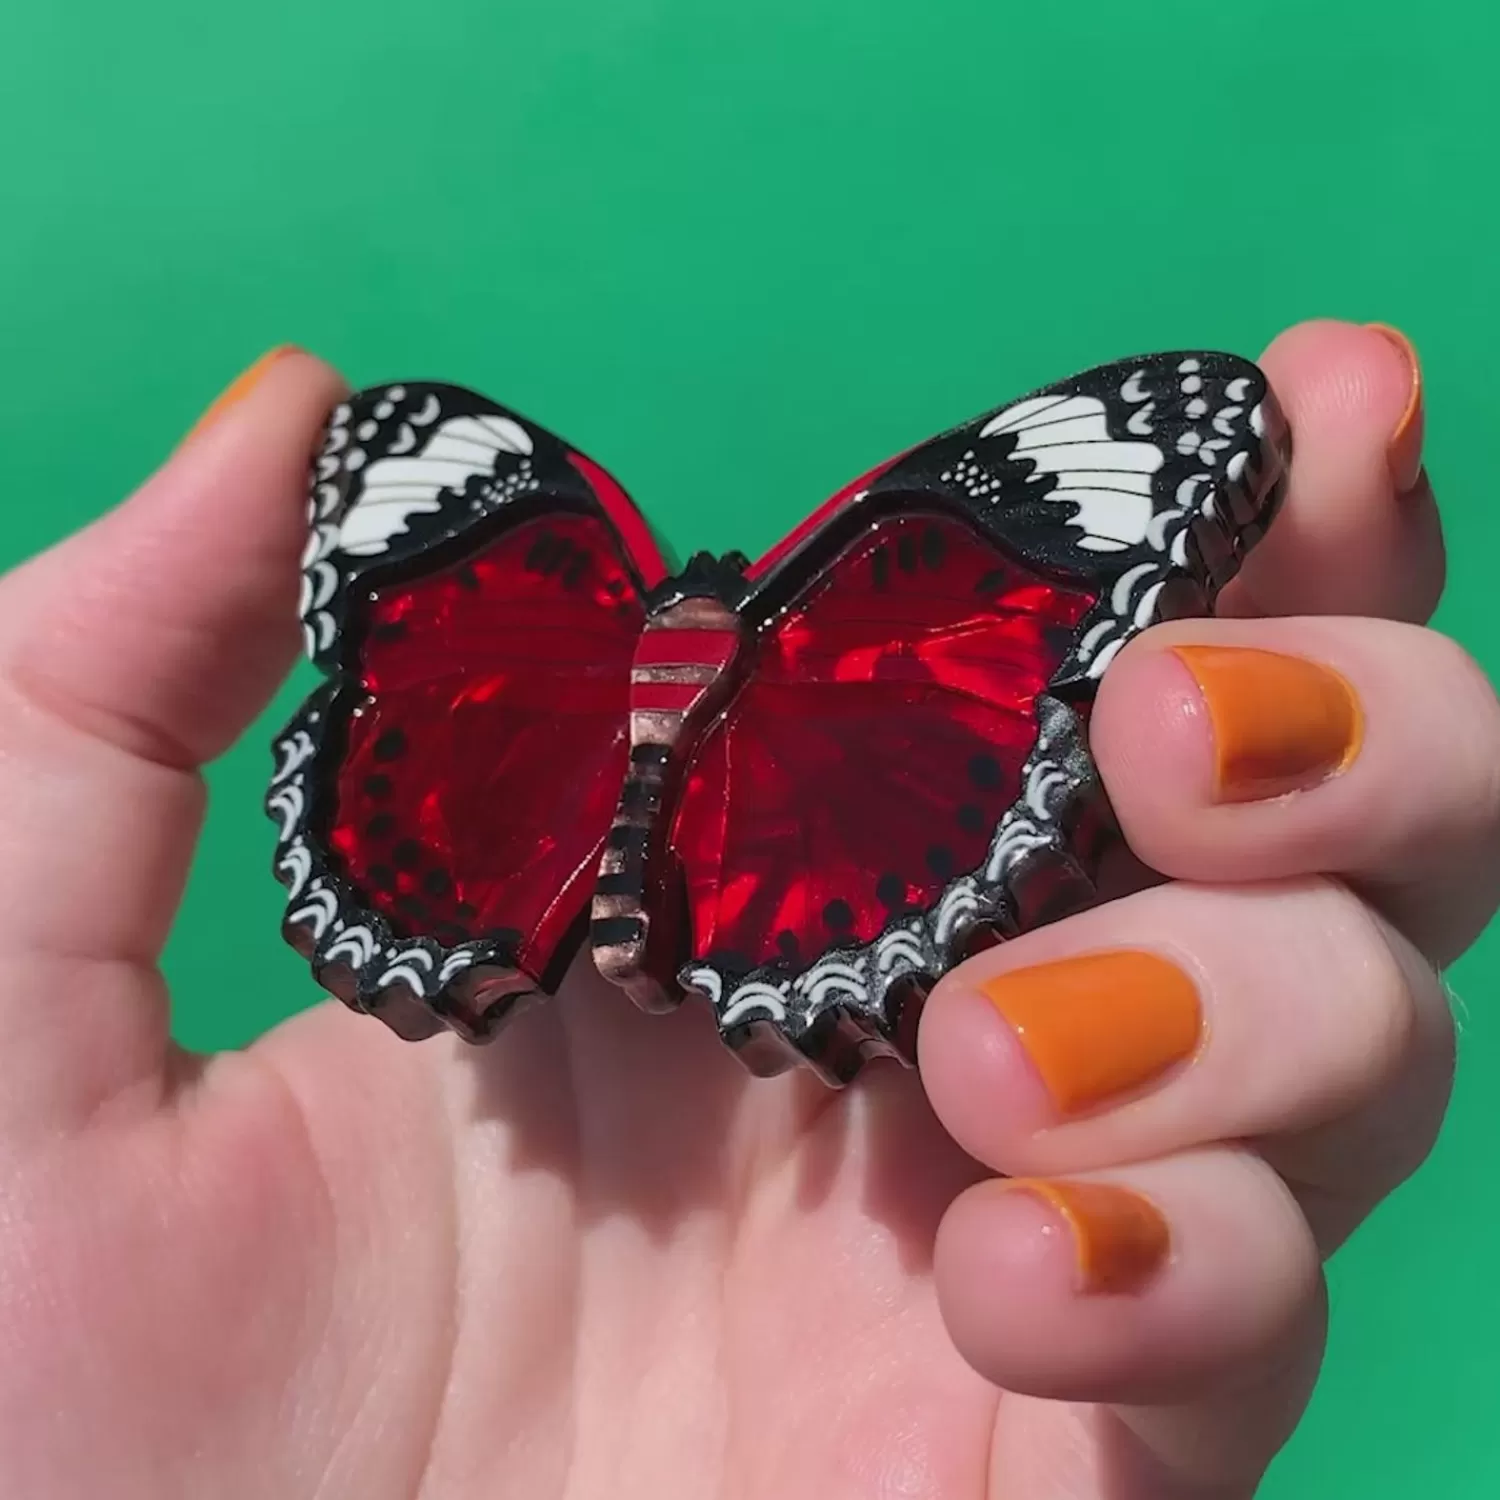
(596, 1259)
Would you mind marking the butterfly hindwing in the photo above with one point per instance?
(476, 590)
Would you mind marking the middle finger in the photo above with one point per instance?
(1246, 750)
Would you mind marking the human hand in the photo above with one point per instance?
(596, 1258)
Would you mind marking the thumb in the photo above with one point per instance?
(130, 654)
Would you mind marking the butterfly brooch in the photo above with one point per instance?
(800, 788)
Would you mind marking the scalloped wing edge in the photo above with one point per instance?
(415, 985)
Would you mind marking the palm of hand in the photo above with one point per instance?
(596, 1258)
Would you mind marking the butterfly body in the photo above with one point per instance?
(800, 788)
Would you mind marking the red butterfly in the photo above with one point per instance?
(802, 787)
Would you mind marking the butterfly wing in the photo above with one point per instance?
(904, 773)
(474, 588)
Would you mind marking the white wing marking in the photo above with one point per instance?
(752, 999)
(398, 487)
(1108, 479)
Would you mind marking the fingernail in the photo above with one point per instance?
(1120, 1239)
(1280, 723)
(1099, 1025)
(241, 386)
(1404, 450)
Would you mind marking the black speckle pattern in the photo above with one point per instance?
(940, 861)
(407, 855)
(890, 889)
(838, 916)
(971, 818)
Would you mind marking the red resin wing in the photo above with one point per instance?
(483, 765)
(475, 590)
(876, 744)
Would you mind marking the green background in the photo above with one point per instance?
(770, 244)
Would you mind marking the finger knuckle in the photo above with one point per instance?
(1380, 979)
(1471, 717)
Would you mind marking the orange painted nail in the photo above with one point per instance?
(241, 386)
(1120, 1239)
(1100, 1025)
(1280, 723)
(1405, 447)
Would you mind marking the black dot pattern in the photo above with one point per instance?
(838, 916)
(984, 772)
(390, 746)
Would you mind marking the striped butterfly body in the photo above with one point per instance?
(800, 788)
